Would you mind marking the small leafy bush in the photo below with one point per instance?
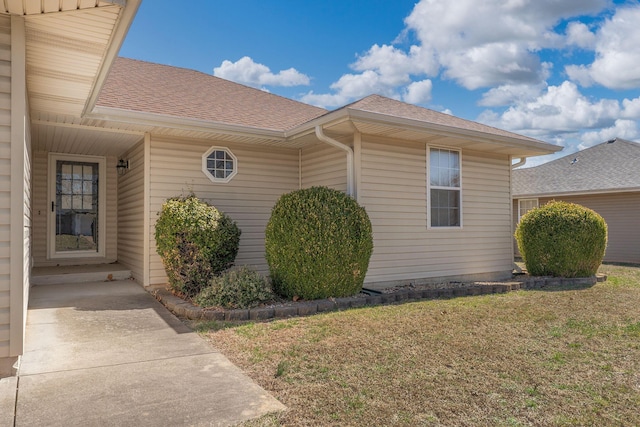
(318, 244)
(195, 241)
(237, 288)
(562, 239)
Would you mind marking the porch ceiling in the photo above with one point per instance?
(69, 47)
(64, 55)
(37, 7)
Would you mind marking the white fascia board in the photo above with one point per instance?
(161, 120)
(128, 13)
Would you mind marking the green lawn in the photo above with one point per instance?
(564, 357)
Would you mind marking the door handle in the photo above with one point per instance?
(53, 206)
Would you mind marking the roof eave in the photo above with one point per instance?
(576, 193)
(122, 28)
(145, 119)
(536, 147)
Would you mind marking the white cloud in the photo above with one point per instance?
(418, 92)
(631, 108)
(384, 70)
(509, 94)
(617, 53)
(251, 73)
(558, 110)
(578, 34)
(477, 44)
(625, 129)
(493, 42)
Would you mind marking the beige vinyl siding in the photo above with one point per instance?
(5, 184)
(394, 193)
(324, 165)
(621, 212)
(514, 221)
(42, 207)
(131, 214)
(264, 174)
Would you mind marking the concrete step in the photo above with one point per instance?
(60, 275)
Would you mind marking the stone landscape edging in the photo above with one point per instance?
(185, 309)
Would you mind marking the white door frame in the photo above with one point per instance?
(102, 198)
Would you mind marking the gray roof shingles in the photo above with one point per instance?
(609, 166)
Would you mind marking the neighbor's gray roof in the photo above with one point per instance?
(146, 87)
(610, 166)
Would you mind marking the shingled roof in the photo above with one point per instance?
(168, 96)
(391, 107)
(610, 166)
(171, 91)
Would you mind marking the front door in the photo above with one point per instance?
(76, 226)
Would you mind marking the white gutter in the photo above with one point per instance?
(324, 138)
(521, 162)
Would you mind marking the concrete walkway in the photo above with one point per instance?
(110, 354)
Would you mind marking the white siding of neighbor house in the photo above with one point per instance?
(621, 212)
(5, 185)
(42, 206)
(394, 193)
(324, 165)
(264, 174)
(131, 213)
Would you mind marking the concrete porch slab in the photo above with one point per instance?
(110, 354)
(58, 275)
(8, 389)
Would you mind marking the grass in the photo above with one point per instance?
(564, 358)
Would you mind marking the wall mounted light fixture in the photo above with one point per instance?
(122, 166)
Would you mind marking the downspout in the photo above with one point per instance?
(324, 138)
(520, 162)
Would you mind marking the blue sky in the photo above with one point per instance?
(566, 72)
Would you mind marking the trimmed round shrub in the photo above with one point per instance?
(195, 241)
(237, 288)
(318, 244)
(562, 239)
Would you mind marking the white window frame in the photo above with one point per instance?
(209, 175)
(430, 187)
(527, 200)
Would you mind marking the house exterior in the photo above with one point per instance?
(605, 178)
(91, 145)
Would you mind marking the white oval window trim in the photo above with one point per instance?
(222, 167)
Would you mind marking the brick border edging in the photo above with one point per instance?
(183, 308)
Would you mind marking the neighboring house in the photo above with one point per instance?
(605, 178)
(91, 146)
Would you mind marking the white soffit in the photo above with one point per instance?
(37, 7)
(64, 54)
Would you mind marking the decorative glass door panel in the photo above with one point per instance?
(76, 207)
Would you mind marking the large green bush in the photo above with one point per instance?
(237, 288)
(562, 239)
(318, 244)
(195, 241)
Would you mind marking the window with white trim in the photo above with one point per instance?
(525, 205)
(219, 164)
(445, 188)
